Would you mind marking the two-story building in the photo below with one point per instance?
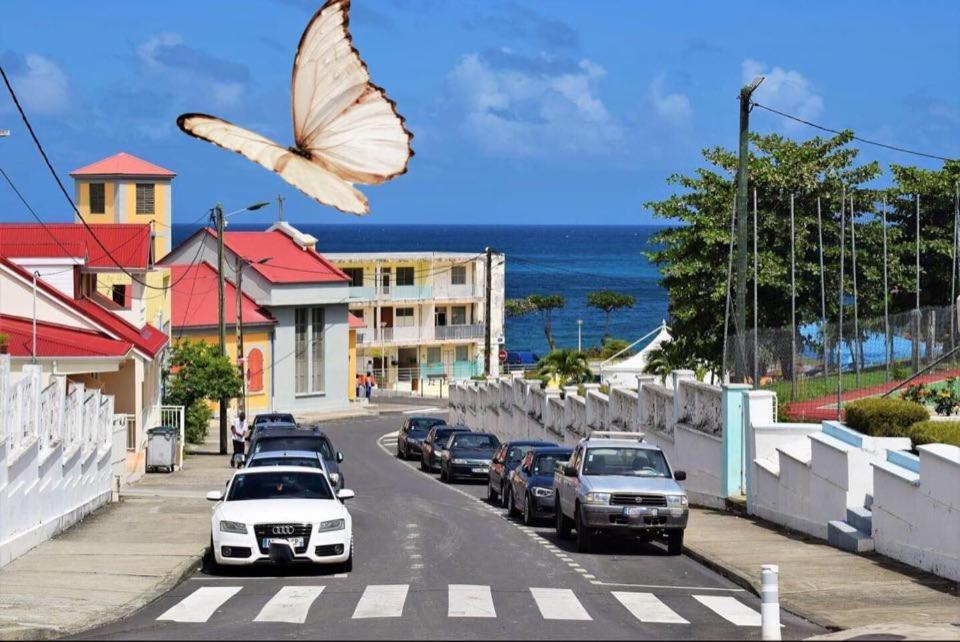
(424, 315)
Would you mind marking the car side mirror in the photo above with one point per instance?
(214, 496)
(346, 494)
(339, 456)
(569, 471)
(679, 475)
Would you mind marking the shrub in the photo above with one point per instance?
(935, 432)
(881, 417)
(197, 419)
(917, 393)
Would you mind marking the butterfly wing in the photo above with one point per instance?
(309, 177)
(345, 122)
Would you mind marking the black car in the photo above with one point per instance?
(531, 486)
(468, 454)
(274, 418)
(507, 458)
(312, 439)
(433, 443)
(412, 433)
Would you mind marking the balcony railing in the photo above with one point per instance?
(415, 333)
(409, 292)
(455, 332)
(362, 293)
(450, 291)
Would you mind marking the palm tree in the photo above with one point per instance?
(569, 367)
(666, 358)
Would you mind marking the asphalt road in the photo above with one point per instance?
(435, 561)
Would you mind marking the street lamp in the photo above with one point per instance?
(579, 334)
(241, 358)
(383, 354)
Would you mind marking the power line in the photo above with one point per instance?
(862, 140)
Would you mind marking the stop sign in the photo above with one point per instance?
(503, 356)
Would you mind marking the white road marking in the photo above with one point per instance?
(470, 600)
(290, 604)
(382, 600)
(647, 608)
(730, 609)
(200, 605)
(668, 586)
(559, 604)
(417, 411)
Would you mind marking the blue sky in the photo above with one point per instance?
(524, 112)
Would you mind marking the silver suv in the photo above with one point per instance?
(616, 484)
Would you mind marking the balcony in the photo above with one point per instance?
(458, 332)
(408, 292)
(449, 291)
(419, 334)
(362, 293)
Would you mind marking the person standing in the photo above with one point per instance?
(238, 430)
(360, 385)
(368, 384)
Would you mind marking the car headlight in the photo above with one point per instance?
(677, 501)
(233, 527)
(462, 462)
(597, 498)
(331, 525)
(334, 478)
(543, 492)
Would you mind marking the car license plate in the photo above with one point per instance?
(296, 542)
(481, 469)
(637, 511)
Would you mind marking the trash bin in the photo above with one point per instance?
(162, 448)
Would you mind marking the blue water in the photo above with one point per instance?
(566, 260)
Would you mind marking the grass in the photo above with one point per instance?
(816, 387)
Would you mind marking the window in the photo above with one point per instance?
(255, 370)
(404, 317)
(356, 276)
(309, 350)
(98, 199)
(433, 355)
(316, 349)
(458, 275)
(145, 198)
(300, 349)
(357, 313)
(458, 315)
(404, 276)
(462, 353)
(119, 294)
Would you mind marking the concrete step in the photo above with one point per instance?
(861, 519)
(737, 504)
(847, 538)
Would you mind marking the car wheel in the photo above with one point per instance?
(504, 499)
(210, 566)
(492, 497)
(511, 504)
(527, 513)
(399, 451)
(423, 465)
(562, 522)
(443, 475)
(347, 566)
(584, 537)
(675, 542)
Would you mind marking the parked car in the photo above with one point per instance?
(273, 418)
(313, 439)
(302, 458)
(617, 484)
(506, 459)
(519, 359)
(281, 514)
(412, 433)
(433, 443)
(531, 486)
(467, 454)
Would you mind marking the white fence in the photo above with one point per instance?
(56, 456)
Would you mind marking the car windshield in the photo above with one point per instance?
(315, 444)
(470, 440)
(287, 485)
(634, 462)
(546, 464)
(516, 453)
(306, 462)
(420, 427)
(274, 419)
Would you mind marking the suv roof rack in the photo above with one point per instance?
(615, 434)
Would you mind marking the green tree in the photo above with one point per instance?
(608, 301)
(569, 367)
(543, 304)
(667, 357)
(198, 373)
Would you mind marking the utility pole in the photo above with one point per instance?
(280, 200)
(743, 227)
(487, 312)
(241, 355)
(217, 216)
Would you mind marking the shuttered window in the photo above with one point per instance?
(145, 198)
(98, 200)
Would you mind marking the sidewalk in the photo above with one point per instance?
(118, 559)
(823, 584)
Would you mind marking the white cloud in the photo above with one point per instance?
(533, 106)
(42, 86)
(785, 90)
(189, 69)
(674, 108)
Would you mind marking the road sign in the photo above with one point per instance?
(503, 356)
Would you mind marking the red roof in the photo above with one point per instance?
(129, 243)
(194, 300)
(289, 262)
(148, 340)
(356, 323)
(58, 341)
(123, 164)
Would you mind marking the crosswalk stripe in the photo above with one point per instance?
(646, 607)
(382, 600)
(200, 605)
(730, 609)
(290, 604)
(559, 604)
(470, 600)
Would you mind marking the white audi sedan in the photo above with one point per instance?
(281, 514)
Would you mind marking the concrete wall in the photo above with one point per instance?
(57, 445)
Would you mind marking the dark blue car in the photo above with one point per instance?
(532, 484)
(504, 461)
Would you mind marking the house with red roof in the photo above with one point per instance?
(294, 304)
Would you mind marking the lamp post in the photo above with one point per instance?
(383, 354)
(579, 335)
(218, 219)
(241, 354)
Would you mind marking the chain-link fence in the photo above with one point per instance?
(811, 368)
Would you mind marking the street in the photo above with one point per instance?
(436, 561)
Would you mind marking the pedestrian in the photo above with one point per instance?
(360, 384)
(368, 384)
(238, 431)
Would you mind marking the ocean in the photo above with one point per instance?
(566, 260)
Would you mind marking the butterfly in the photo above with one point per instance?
(346, 129)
